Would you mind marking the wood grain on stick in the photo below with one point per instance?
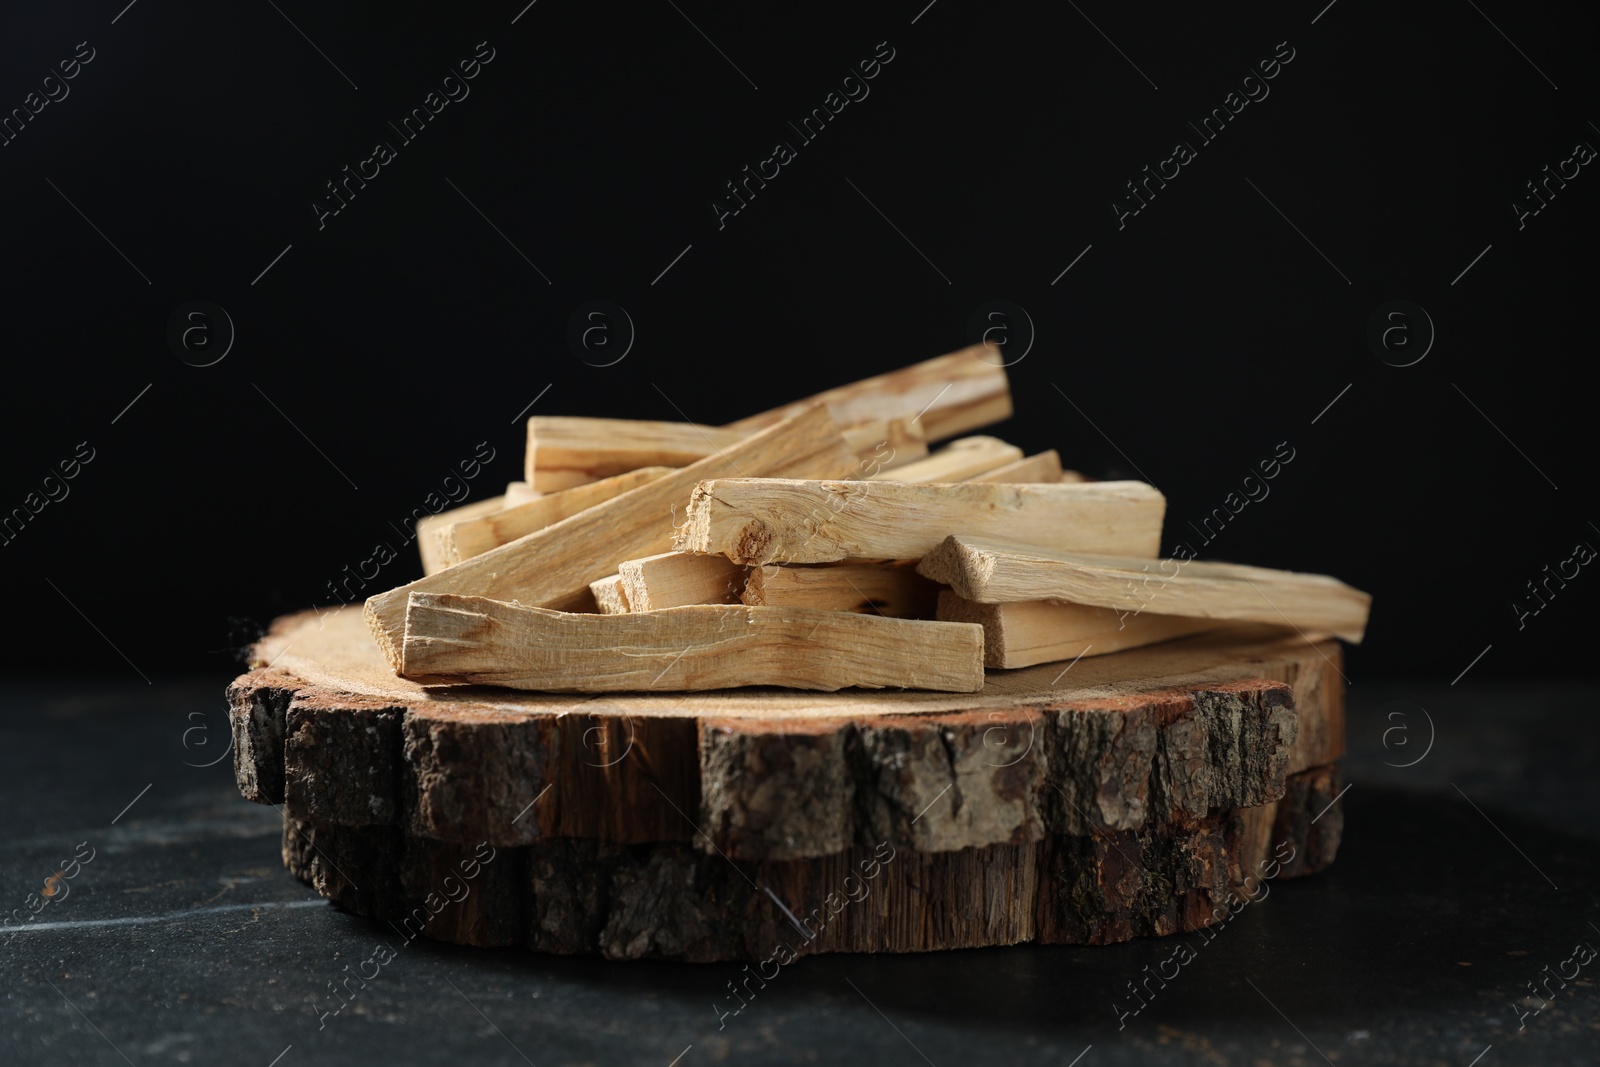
(959, 461)
(554, 566)
(433, 530)
(1044, 467)
(475, 640)
(570, 451)
(565, 451)
(1025, 632)
(954, 394)
(1000, 571)
(764, 520)
(892, 589)
(475, 535)
(673, 579)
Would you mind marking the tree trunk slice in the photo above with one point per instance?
(672, 901)
(1137, 740)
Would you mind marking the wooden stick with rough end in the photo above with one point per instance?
(996, 571)
(476, 640)
(609, 595)
(1025, 632)
(673, 579)
(765, 520)
(554, 566)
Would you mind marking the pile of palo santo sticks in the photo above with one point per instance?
(820, 545)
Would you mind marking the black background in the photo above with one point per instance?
(406, 331)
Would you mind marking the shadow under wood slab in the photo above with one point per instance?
(1139, 740)
(671, 901)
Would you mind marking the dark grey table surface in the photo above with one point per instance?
(1467, 879)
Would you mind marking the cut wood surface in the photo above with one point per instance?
(671, 901)
(609, 595)
(1141, 738)
(958, 461)
(674, 579)
(1025, 632)
(473, 535)
(1000, 571)
(432, 530)
(1043, 467)
(475, 640)
(786, 520)
(554, 566)
(892, 589)
(954, 394)
(567, 451)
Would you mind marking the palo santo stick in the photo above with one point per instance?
(1026, 632)
(1042, 468)
(704, 646)
(673, 579)
(957, 461)
(894, 590)
(463, 540)
(884, 444)
(564, 452)
(994, 571)
(609, 595)
(766, 520)
(520, 493)
(554, 566)
(433, 530)
(955, 394)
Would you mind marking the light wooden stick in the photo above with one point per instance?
(481, 641)
(764, 520)
(1026, 632)
(609, 595)
(894, 590)
(475, 536)
(433, 530)
(520, 493)
(884, 444)
(958, 461)
(955, 394)
(567, 451)
(1042, 468)
(554, 566)
(996, 571)
(673, 579)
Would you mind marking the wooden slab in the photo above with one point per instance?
(323, 726)
(671, 901)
